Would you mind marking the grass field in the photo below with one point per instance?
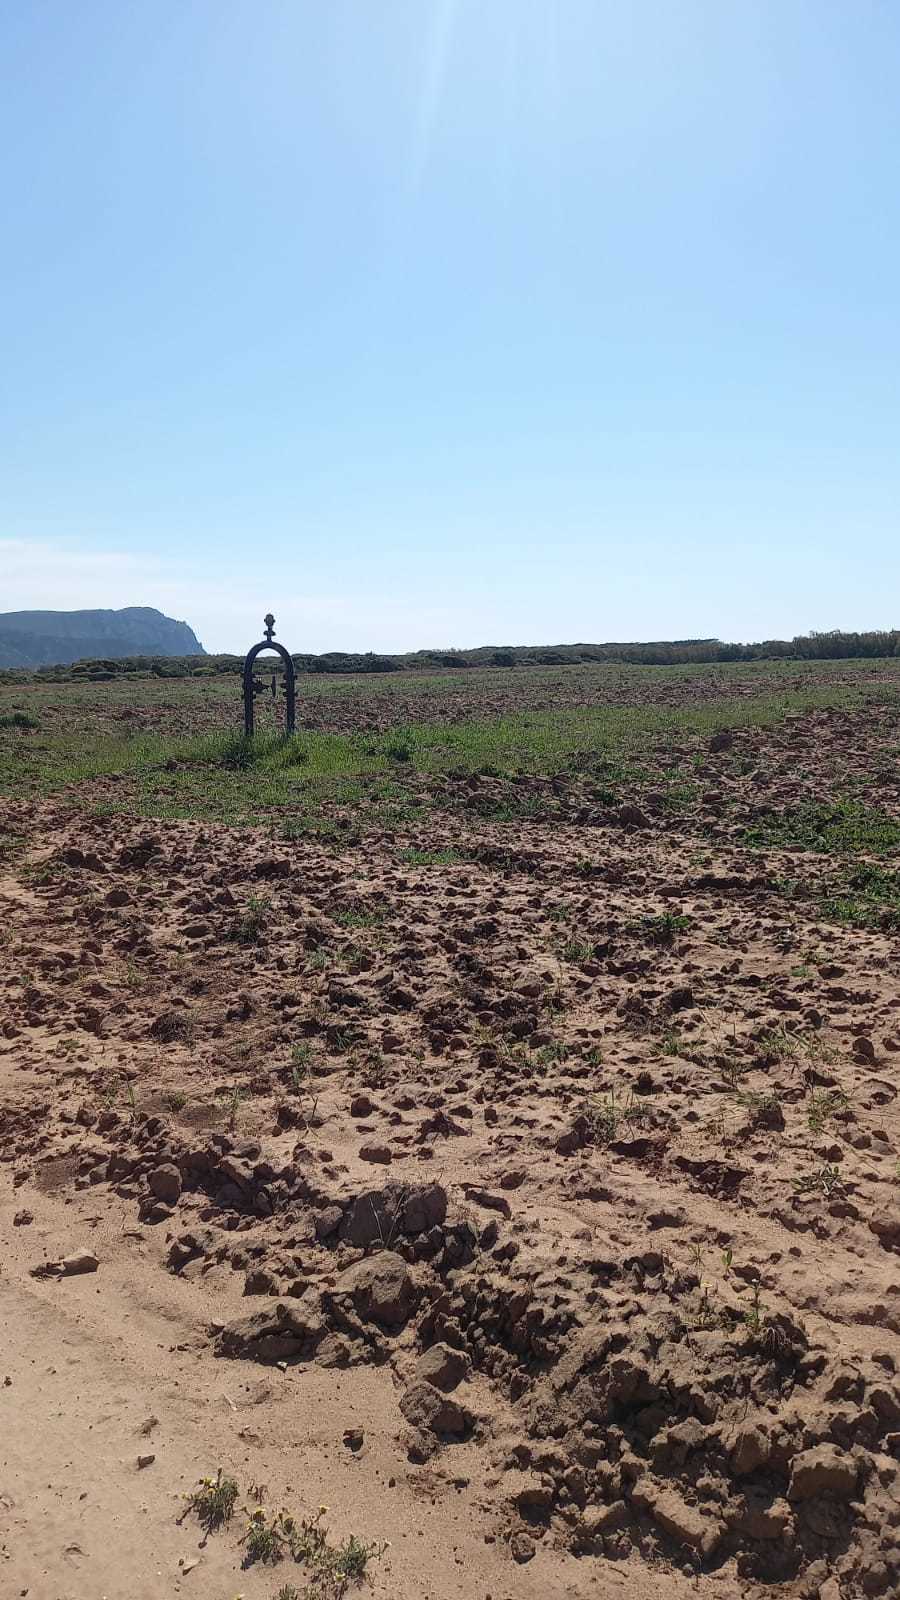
(171, 754)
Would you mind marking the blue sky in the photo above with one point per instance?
(432, 322)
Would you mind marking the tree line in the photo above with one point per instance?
(835, 645)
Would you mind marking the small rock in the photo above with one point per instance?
(381, 1287)
(424, 1208)
(885, 1225)
(761, 1521)
(823, 1470)
(681, 999)
(521, 1548)
(632, 816)
(831, 1590)
(281, 1333)
(165, 1184)
(443, 1366)
(22, 1219)
(376, 1152)
(259, 1280)
(354, 1438)
(361, 1106)
(750, 1448)
(145, 1461)
(328, 1221)
(513, 1178)
(426, 1408)
(491, 1202)
(532, 1497)
(80, 1261)
(682, 1522)
(600, 1519)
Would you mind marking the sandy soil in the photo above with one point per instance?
(565, 1172)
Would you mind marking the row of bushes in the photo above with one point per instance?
(834, 646)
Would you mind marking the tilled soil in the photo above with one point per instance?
(559, 1180)
(343, 703)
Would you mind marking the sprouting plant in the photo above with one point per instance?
(352, 1558)
(231, 1100)
(300, 1079)
(827, 1179)
(175, 1100)
(755, 1319)
(309, 1539)
(664, 929)
(214, 1501)
(374, 1070)
(250, 925)
(320, 959)
(554, 998)
(821, 1106)
(267, 1541)
(733, 1071)
(548, 1054)
(108, 1086)
(577, 950)
(606, 1113)
(669, 1043)
(360, 916)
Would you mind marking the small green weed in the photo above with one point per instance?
(230, 1100)
(826, 1179)
(605, 1114)
(248, 928)
(20, 719)
(665, 928)
(431, 858)
(822, 1105)
(577, 950)
(214, 1501)
(843, 826)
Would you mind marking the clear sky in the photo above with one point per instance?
(433, 322)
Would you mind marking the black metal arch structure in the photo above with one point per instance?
(268, 643)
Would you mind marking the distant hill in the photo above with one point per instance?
(55, 638)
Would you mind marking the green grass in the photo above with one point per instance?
(665, 928)
(431, 858)
(19, 719)
(325, 785)
(868, 898)
(225, 776)
(841, 827)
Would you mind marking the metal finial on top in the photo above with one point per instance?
(269, 621)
